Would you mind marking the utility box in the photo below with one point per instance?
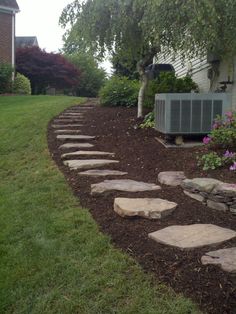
(190, 113)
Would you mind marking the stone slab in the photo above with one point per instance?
(151, 208)
(217, 205)
(192, 236)
(102, 173)
(172, 178)
(88, 163)
(69, 121)
(226, 189)
(225, 258)
(195, 196)
(59, 126)
(66, 131)
(76, 145)
(72, 114)
(88, 153)
(125, 185)
(200, 184)
(75, 137)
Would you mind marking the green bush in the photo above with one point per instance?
(210, 161)
(119, 91)
(148, 121)
(21, 85)
(167, 82)
(6, 71)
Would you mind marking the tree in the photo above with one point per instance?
(91, 76)
(46, 69)
(124, 65)
(143, 28)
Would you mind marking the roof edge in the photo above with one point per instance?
(8, 9)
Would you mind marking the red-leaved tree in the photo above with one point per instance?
(46, 69)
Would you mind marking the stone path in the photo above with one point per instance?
(125, 185)
(102, 173)
(183, 237)
(74, 137)
(88, 153)
(76, 145)
(151, 208)
(192, 236)
(225, 258)
(88, 163)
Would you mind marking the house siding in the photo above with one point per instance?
(6, 37)
(198, 69)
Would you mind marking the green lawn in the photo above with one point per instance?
(53, 259)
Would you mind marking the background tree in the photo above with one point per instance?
(142, 28)
(46, 69)
(91, 76)
(124, 65)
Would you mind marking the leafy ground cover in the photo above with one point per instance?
(54, 259)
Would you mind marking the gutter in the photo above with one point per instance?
(9, 10)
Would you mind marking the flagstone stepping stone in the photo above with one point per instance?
(225, 258)
(58, 126)
(200, 184)
(67, 120)
(192, 236)
(102, 173)
(72, 114)
(125, 185)
(151, 208)
(172, 178)
(87, 153)
(67, 131)
(88, 163)
(70, 118)
(75, 137)
(76, 145)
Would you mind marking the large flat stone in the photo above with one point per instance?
(226, 189)
(59, 126)
(200, 184)
(88, 153)
(74, 137)
(172, 178)
(151, 208)
(88, 163)
(66, 131)
(195, 196)
(125, 185)
(217, 205)
(102, 173)
(192, 236)
(69, 121)
(72, 114)
(76, 145)
(225, 258)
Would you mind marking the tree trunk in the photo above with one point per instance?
(144, 83)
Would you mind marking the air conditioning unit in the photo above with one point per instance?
(189, 113)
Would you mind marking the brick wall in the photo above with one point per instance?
(5, 37)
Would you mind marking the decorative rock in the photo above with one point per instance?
(75, 137)
(195, 196)
(123, 185)
(58, 126)
(232, 210)
(151, 208)
(217, 206)
(172, 178)
(88, 163)
(76, 145)
(226, 189)
(192, 236)
(87, 153)
(67, 131)
(102, 173)
(200, 184)
(225, 258)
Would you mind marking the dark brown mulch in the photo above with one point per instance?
(143, 158)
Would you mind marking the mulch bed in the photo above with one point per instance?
(143, 157)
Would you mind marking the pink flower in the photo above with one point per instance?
(229, 114)
(206, 140)
(229, 154)
(233, 167)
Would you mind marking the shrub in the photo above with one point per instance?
(167, 82)
(21, 85)
(221, 137)
(148, 121)
(119, 91)
(6, 71)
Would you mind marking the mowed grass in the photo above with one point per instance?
(53, 259)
